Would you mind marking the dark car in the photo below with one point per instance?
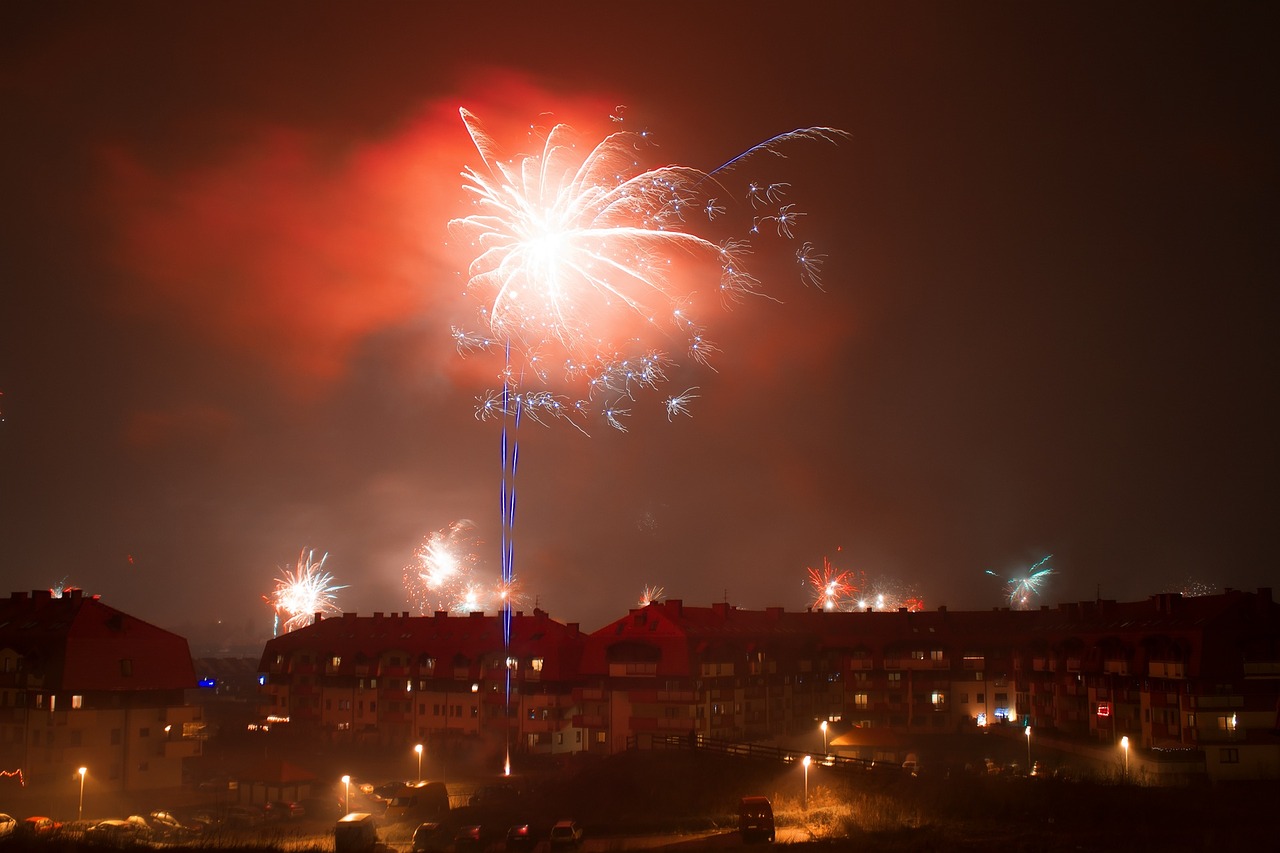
(494, 795)
(755, 819)
(470, 839)
(520, 838)
(431, 837)
(244, 817)
(283, 810)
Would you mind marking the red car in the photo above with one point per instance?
(39, 825)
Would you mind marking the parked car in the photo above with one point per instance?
(520, 838)
(206, 819)
(755, 819)
(40, 825)
(325, 807)
(7, 825)
(356, 833)
(119, 832)
(165, 825)
(283, 810)
(244, 816)
(428, 799)
(494, 795)
(565, 834)
(430, 837)
(469, 839)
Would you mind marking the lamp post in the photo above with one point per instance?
(804, 802)
(418, 749)
(1124, 744)
(80, 813)
(1028, 750)
(346, 799)
(824, 736)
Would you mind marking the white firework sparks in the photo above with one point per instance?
(651, 595)
(442, 574)
(576, 253)
(308, 590)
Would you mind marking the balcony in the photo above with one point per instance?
(1261, 669)
(1166, 669)
(1115, 666)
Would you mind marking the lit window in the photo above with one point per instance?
(77, 701)
(335, 661)
(938, 698)
(860, 700)
(536, 664)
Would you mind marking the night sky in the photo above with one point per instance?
(1046, 325)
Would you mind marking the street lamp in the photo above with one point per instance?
(346, 799)
(81, 771)
(804, 803)
(418, 749)
(824, 736)
(1028, 750)
(1124, 744)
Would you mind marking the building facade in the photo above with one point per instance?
(84, 685)
(1188, 675)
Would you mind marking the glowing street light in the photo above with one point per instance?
(1028, 749)
(804, 803)
(824, 736)
(346, 799)
(418, 749)
(81, 771)
(1124, 744)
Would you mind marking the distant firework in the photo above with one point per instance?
(846, 591)
(576, 265)
(1192, 588)
(886, 594)
(831, 588)
(446, 575)
(308, 590)
(651, 595)
(442, 575)
(1022, 591)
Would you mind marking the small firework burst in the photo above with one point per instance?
(304, 592)
(1023, 590)
(651, 595)
(831, 588)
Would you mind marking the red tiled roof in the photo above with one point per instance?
(81, 644)
(352, 638)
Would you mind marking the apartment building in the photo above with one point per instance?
(1196, 675)
(84, 685)
(392, 678)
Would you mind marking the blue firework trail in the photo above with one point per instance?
(510, 454)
